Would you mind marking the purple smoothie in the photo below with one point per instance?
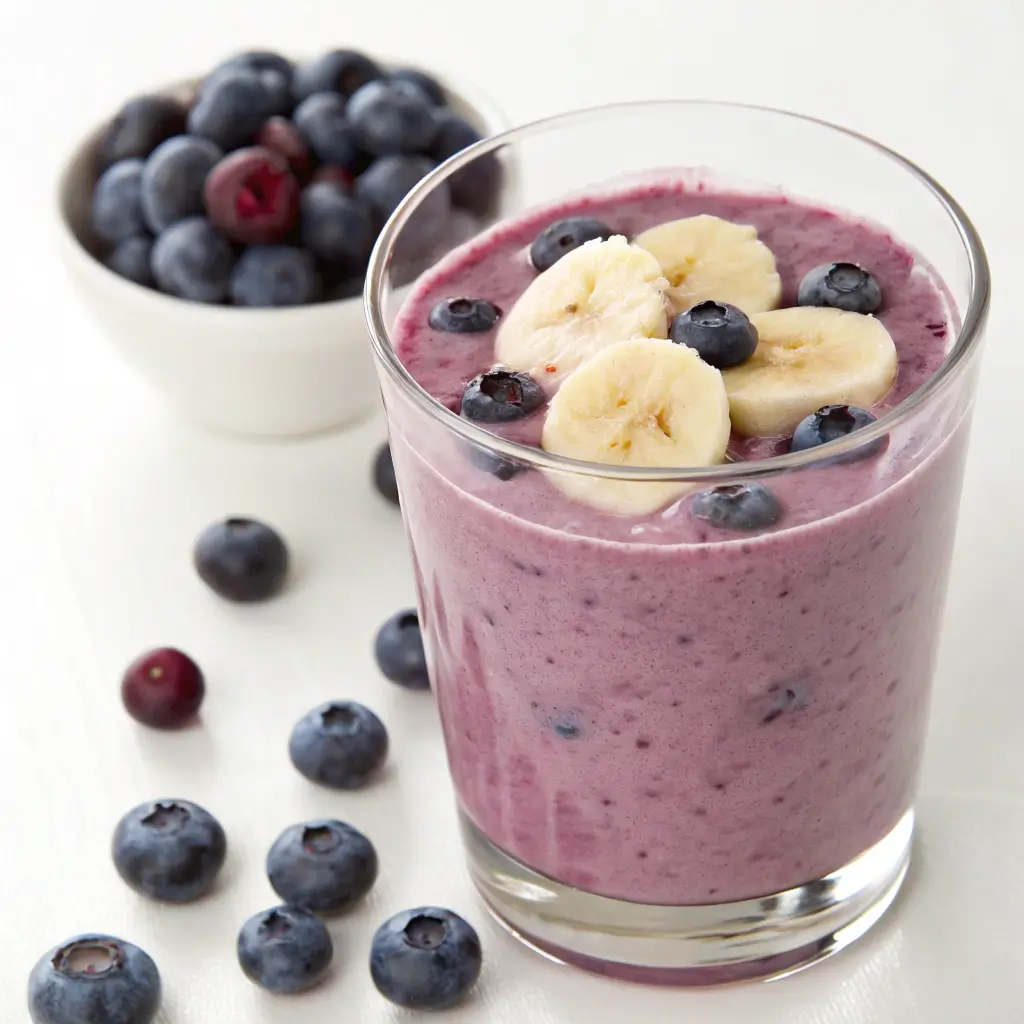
(647, 707)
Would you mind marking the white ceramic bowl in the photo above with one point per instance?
(262, 373)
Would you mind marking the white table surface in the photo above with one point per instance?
(103, 493)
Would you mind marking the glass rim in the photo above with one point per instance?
(967, 339)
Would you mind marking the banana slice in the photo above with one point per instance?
(644, 402)
(706, 257)
(806, 358)
(601, 293)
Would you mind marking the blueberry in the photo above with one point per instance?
(398, 649)
(140, 126)
(163, 689)
(252, 197)
(384, 474)
(322, 123)
(131, 260)
(426, 959)
(340, 744)
(335, 226)
(324, 866)
(274, 275)
(285, 950)
(720, 334)
(94, 979)
(474, 186)
(273, 71)
(841, 285)
(501, 396)
(169, 850)
(392, 117)
(429, 86)
(341, 71)
(388, 181)
(259, 61)
(495, 464)
(192, 261)
(563, 236)
(117, 202)
(173, 180)
(833, 423)
(231, 108)
(463, 316)
(242, 559)
(738, 507)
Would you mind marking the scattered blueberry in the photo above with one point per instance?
(321, 120)
(324, 866)
(281, 136)
(388, 181)
(563, 236)
(190, 260)
(117, 202)
(252, 196)
(833, 423)
(163, 688)
(140, 126)
(131, 260)
(335, 226)
(273, 71)
(427, 958)
(285, 950)
(399, 651)
(384, 474)
(341, 71)
(340, 744)
(173, 179)
(94, 979)
(392, 117)
(495, 464)
(738, 507)
(720, 334)
(231, 108)
(242, 559)
(274, 275)
(463, 316)
(474, 186)
(501, 396)
(841, 285)
(429, 86)
(169, 850)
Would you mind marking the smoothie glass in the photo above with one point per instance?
(687, 763)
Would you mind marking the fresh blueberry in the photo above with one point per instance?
(425, 959)
(463, 316)
(430, 87)
(117, 202)
(131, 260)
(720, 334)
(392, 117)
(169, 850)
(474, 186)
(163, 688)
(192, 261)
(231, 108)
(398, 649)
(335, 226)
(340, 744)
(324, 866)
(842, 285)
(321, 120)
(274, 275)
(94, 979)
(285, 950)
(259, 60)
(242, 559)
(252, 196)
(173, 180)
(500, 396)
(140, 126)
(281, 136)
(563, 236)
(833, 423)
(273, 71)
(738, 507)
(340, 71)
(495, 464)
(384, 474)
(388, 181)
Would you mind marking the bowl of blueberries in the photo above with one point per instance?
(219, 228)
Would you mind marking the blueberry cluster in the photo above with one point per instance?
(271, 187)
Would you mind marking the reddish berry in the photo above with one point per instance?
(280, 135)
(163, 688)
(252, 196)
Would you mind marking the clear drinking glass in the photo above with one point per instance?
(629, 802)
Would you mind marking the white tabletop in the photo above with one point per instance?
(103, 493)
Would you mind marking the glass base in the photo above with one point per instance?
(710, 944)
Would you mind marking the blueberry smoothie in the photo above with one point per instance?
(672, 694)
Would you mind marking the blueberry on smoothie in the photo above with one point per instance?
(563, 236)
(501, 396)
(340, 745)
(285, 950)
(398, 649)
(720, 334)
(463, 316)
(738, 507)
(841, 285)
(833, 423)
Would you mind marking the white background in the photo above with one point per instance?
(102, 494)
